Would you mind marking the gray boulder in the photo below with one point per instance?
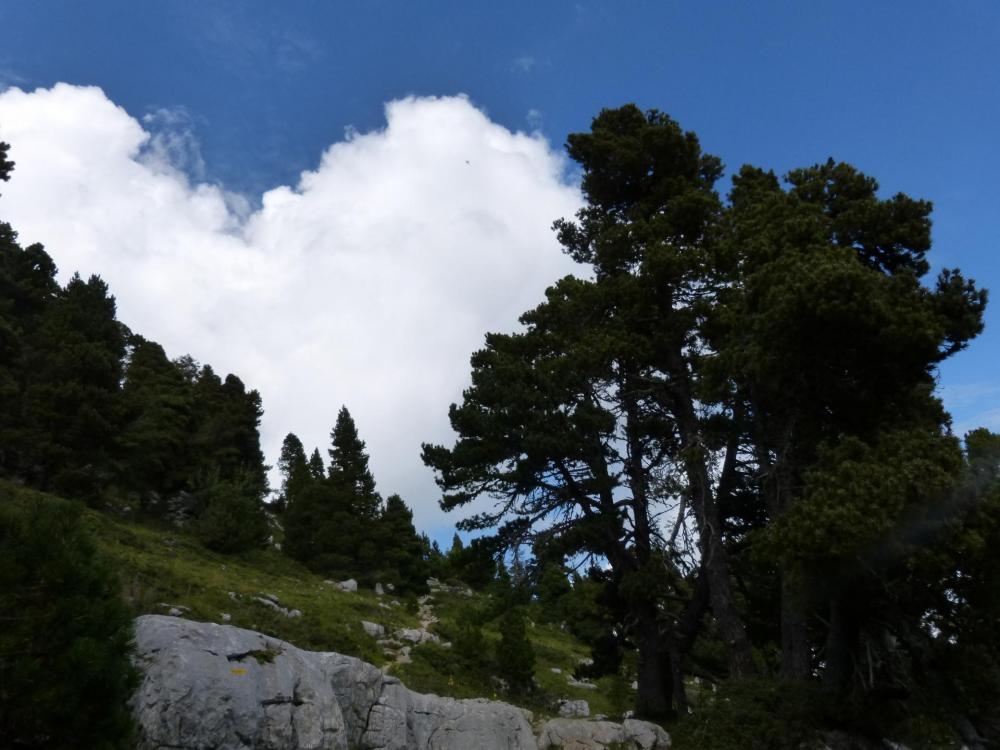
(373, 628)
(574, 709)
(567, 734)
(208, 685)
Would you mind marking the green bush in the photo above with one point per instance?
(65, 640)
(234, 519)
(753, 714)
(515, 657)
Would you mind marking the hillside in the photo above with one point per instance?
(165, 570)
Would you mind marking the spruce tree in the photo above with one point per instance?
(402, 553)
(73, 375)
(349, 467)
(294, 469)
(156, 405)
(316, 468)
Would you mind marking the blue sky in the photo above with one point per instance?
(247, 95)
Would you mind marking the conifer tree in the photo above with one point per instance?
(73, 374)
(234, 518)
(156, 403)
(316, 467)
(65, 674)
(515, 656)
(402, 550)
(349, 467)
(294, 469)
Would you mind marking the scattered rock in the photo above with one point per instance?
(350, 586)
(373, 629)
(582, 684)
(416, 635)
(579, 709)
(272, 604)
(226, 617)
(379, 591)
(556, 670)
(569, 734)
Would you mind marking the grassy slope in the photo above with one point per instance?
(163, 567)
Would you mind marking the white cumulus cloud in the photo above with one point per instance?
(369, 283)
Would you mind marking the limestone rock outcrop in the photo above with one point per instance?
(222, 687)
(208, 685)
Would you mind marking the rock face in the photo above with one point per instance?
(567, 734)
(217, 686)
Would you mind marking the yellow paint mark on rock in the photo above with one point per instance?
(238, 671)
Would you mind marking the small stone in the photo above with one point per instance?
(174, 612)
(556, 670)
(581, 684)
(373, 629)
(292, 613)
(350, 585)
(379, 591)
(578, 709)
(226, 617)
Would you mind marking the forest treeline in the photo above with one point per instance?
(91, 410)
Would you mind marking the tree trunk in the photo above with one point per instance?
(839, 640)
(795, 656)
(714, 560)
(654, 698)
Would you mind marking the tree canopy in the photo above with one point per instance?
(734, 407)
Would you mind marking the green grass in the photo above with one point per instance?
(162, 567)
(439, 670)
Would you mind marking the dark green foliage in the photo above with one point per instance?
(65, 674)
(402, 550)
(226, 438)
(336, 523)
(753, 715)
(294, 469)
(515, 657)
(6, 165)
(469, 643)
(316, 467)
(156, 413)
(233, 519)
(349, 467)
(73, 370)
